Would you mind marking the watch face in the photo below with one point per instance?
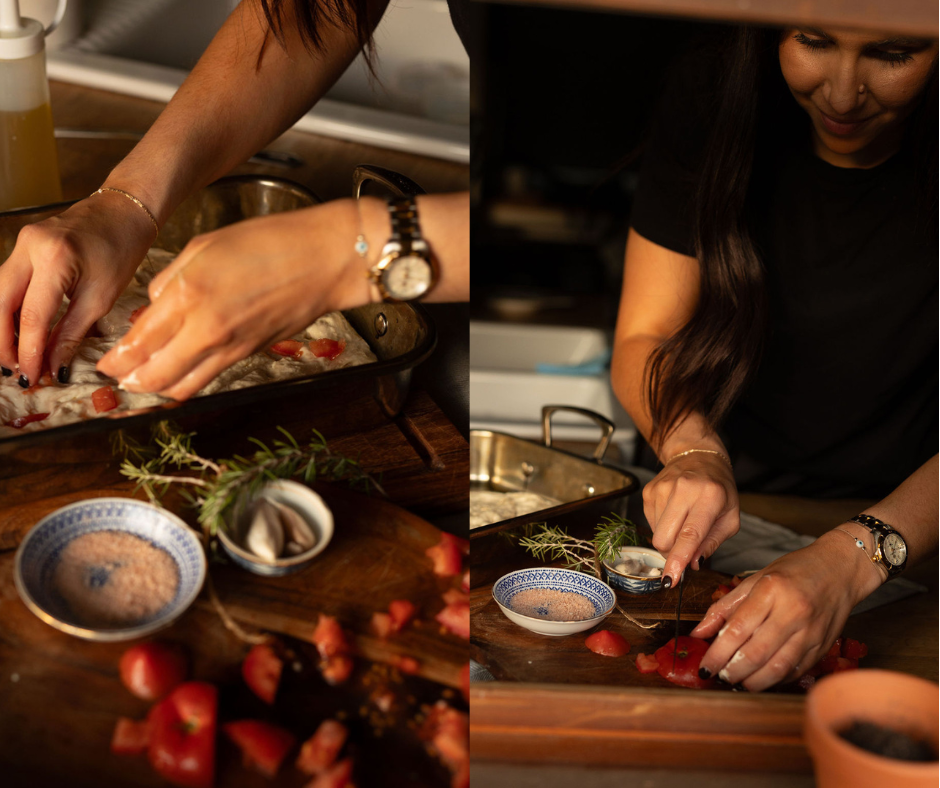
(894, 549)
(407, 277)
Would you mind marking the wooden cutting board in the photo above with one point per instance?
(377, 554)
(514, 653)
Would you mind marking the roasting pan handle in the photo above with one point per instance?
(606, 425)
(397, 183)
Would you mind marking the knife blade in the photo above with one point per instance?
(675, 642)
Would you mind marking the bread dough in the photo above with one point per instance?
(488, 506)
(71, 402)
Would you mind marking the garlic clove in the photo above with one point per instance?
(296, 529)
(293, 548)
(265, 535)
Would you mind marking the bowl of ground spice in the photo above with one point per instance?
(873, 728)
(109, 569)
(551, 601)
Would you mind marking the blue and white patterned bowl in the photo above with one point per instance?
(41, 549)
(308, 505)
(636, 584)
(597, 592)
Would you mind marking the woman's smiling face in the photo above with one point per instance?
(857, 87)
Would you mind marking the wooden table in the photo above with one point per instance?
(421, 457)
(596, 721)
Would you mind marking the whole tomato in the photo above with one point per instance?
(182, 735)
(688, 656)
(151, 670)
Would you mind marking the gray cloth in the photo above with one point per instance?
(479, 673)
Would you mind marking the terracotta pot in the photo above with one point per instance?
(894, 700)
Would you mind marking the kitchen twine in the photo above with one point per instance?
(136, 202)
(725, 457)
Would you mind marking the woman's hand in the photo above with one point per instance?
(88, 253)
(692, 507)
(242, 288)
(781, 621)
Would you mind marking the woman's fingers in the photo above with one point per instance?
(42, 300)
(205, 372)
(689, 517)
(780, 666)
(162, 280)
(155, 327)
(14, 279)
(68, 333)
(726, 526)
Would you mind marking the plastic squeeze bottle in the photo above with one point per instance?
(29, 165)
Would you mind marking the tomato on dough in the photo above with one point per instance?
(288, 347)
(327, 348)
(21, 421)
(103, 399)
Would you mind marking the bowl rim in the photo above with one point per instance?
(109, 635)
(599, 616)
(635, 549)
(325, 531)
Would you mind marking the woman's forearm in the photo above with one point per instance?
(231, 105)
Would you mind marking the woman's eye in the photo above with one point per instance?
(891, 57)
(812, 43)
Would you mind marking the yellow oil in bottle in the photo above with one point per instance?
(29, 164)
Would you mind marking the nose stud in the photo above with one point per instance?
(861, 88)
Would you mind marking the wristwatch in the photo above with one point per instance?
(890, 547)
(406, 270)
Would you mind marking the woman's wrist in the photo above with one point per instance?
(862, 577)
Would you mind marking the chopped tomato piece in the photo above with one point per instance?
(151, 670)
(448, 731)
(453, 596)
(465, 582)
(646, 663)
(264, 746)
(262, 672)
(327, 348)
(21, 421)
(720, 592)
(103, 399)
(456, 618)
(447, 555)
(137, 313)
(320, 751)
(460, 543)
(288, 347)
(382, 624)
(131, 737)
(836, 664)
(688, 653)
(853, 649)
(182, 735)
(330, 640)
(835, 650)
(401, 611)
(338, 775)
(607, 643)
(736, 581)
(408, 665)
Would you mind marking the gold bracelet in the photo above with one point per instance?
(725, 457)
(860, 545)
(136, 202)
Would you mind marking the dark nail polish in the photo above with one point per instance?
(667, 580)
(704, 674)
(6, 372)
(23, 381)
(738, 688)
(63, 376)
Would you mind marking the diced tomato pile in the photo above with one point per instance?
(844, 654)
(103, 399)
(335, 662)
(290, 348)
(607, 643)
(264, 746)
(327, 348)
(261, 671)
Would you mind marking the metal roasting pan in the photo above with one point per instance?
(505, 463)
(400, 335)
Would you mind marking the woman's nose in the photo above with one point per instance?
(843, 88)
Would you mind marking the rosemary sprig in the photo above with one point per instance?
(213, 488)
(553, 543)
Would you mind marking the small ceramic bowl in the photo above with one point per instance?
(41, 551)
(597, 592)
(302, 500)
(635, 584)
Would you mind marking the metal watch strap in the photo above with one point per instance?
(404, 217)
(879, 528)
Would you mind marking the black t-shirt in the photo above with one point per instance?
(844, 402)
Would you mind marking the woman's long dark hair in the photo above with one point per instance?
(705, 366)
(309, 16)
